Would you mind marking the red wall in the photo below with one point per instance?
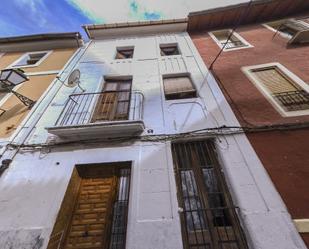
(285, 154)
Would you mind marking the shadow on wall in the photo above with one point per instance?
(11, 118)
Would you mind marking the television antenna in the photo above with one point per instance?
(73, 80)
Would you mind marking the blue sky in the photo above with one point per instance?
(22, 17)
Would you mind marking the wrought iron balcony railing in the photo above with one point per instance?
(293, 100)
(100, 107)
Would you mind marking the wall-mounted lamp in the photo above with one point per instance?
(10, 78)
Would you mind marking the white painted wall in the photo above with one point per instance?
(33, 187)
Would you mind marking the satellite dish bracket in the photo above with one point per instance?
(73, 80)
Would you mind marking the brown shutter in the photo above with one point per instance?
(177, 85)
(275, 81)
(106, 107)
(113, 103)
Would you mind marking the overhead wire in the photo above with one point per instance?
(212, 131)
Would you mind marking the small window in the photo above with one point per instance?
(169, 49)
(124, 53)
(280, 26)
(296, 30)
(283, 90)
(30, 59)
(228, 41)
(178, 88)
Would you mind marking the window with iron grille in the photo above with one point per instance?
(169, 49)
(228, 41)
(283, 90)
(94, 210)
(180, 87)
(208, 216)
(124, 53)
(296, 30)
(30, 59)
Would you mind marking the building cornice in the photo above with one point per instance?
(41, 42)
(97, 31)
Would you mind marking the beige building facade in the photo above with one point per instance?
(41, 57)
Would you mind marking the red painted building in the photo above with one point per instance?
(263, 70)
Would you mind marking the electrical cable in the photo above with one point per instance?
(238, 22)
(213, 131)
(79, 53)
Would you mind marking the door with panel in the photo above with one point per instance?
(114, 102)
(96, 216)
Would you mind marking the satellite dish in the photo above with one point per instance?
(73, 79)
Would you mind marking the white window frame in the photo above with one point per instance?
(238, 36)
(48, 52)
(260, 86)
(287, 36)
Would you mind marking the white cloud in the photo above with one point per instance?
(120, 11)
(36, 9)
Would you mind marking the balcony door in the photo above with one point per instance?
(114, 102)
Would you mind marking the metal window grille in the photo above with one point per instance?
(233, 42)
(120, 212)
(289, 95)
(209, 219)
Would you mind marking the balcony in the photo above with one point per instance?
(293, 100)
(100, 115)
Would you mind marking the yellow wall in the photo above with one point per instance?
(55, 61)
(34, 88)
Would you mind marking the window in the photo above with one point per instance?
(124, 53)
(30, 59)
(94, 210)
(180, 87)
(284, 89)
(114, 102)
(235, 41)
(169, 49)
(208, 216)
(296, 30)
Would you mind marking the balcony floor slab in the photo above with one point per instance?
(98, 130)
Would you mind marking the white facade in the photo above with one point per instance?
(33, 187)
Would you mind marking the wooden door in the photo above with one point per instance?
(92, 214)
(94, 210)
(113, 103)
